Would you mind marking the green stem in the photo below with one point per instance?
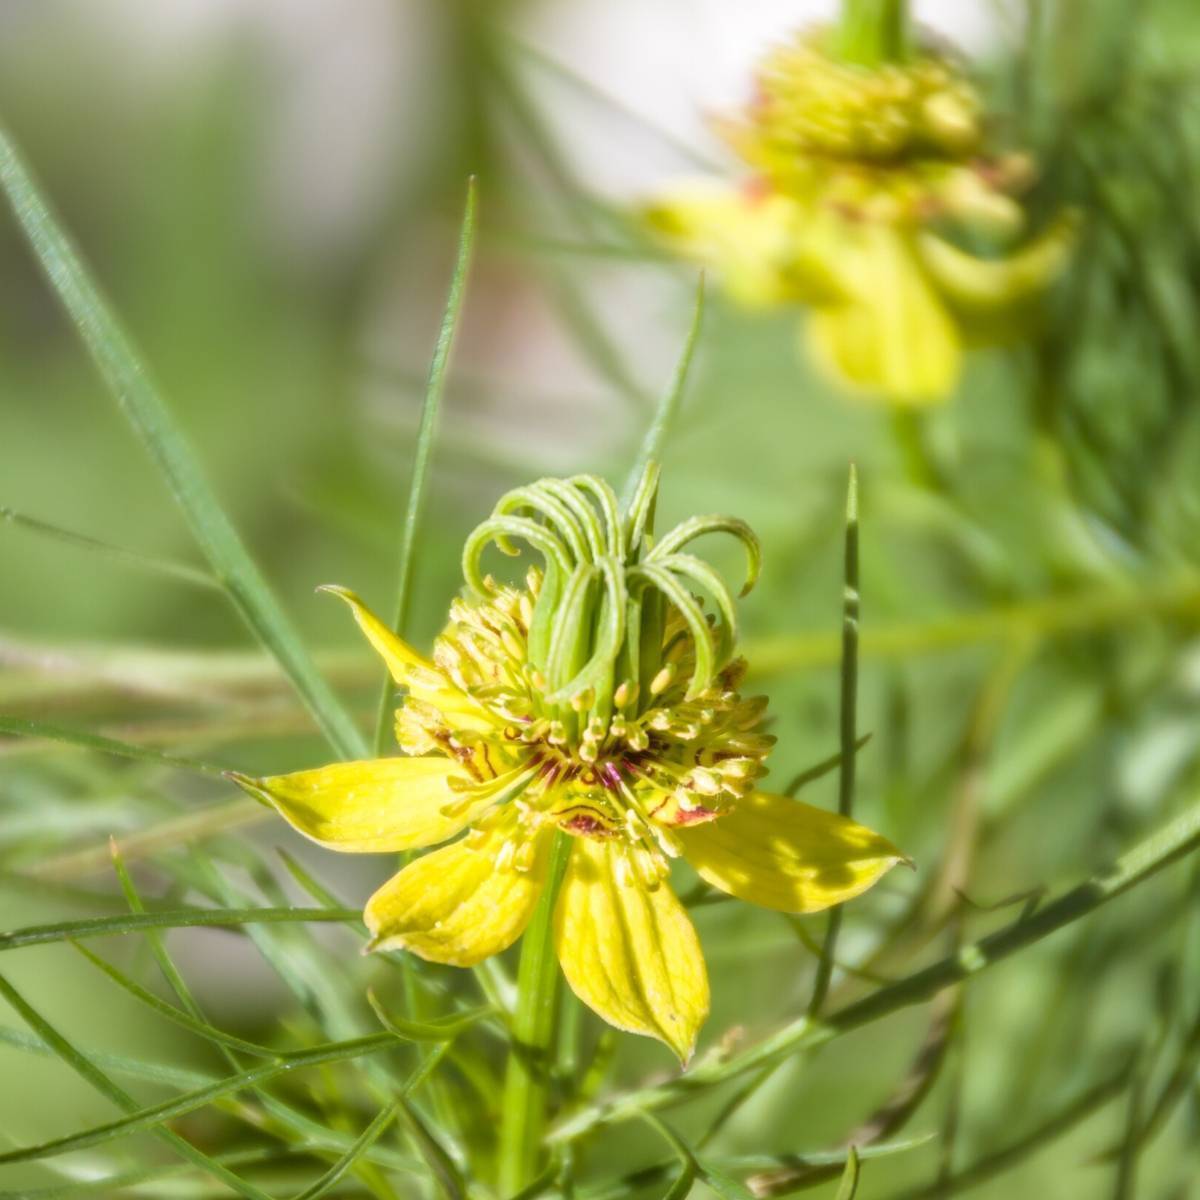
(848, 727)
(529, 1066)
(873, 32)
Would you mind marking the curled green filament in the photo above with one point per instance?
(597, 632)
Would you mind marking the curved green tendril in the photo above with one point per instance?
(695, 527)
(693, 615)
(498, 530)
(560, 517)
(688, 566)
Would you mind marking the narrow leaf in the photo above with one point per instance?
(848, 1188)
(23, 727)
(434, 390)
(146, 409)
(36, 935)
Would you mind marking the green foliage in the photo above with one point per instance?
(1023, 669)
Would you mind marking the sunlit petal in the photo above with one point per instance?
(401, 658)
(786, 855)
(457, 905)
(894, 337)
(380, 805)
(629, 953)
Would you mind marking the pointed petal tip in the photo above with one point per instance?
(336, 589)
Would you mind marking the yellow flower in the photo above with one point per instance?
(598, 702)
(863, 177)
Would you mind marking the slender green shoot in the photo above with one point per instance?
(144, 405)
(848, 724)
(529, 1061)
(668, 406)
(434, 390)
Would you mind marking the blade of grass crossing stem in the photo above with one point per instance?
(848, 724)
(181, 572)
(22, 727)
(89, 1072)
(154, 1116)
(179, 918)
(361, 1145)
(434, 390)
(848, 1188)
(143, 404)
(527, 1073)
(668, 408)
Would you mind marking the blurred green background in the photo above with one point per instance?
(269, 193)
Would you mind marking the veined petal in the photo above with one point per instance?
(787, 855)
(383, 804)
(400, 657)
(894, 336)
(630, 954)
(456, 905)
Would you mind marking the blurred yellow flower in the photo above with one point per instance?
(598, 702)
(864, 176)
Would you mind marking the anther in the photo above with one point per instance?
(662, 680)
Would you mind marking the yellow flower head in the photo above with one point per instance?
(598, 702)
(864, 176)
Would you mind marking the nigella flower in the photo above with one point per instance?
(866, 182)
(599, 702)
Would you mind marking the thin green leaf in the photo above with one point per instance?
(361, 1145)
(153, 1116)
(439, 1029)
(848, 725)
(668, 407)
(434, 390)
(143, 404)
(23, 727)
(88, 1071)
(180, 918)
(821, 769)
(848, 1188)
(120, 1064)
(170, 1012)
(181, 572)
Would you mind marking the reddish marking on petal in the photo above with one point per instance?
(694, 816)
(586, 825)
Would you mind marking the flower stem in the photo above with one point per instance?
(528, 1074)
(873, 32)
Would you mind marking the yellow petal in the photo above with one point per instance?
(786, 855)
(383, 804)
(756, 241)
(400, 657)
(894, 336)
(456, 905)
(989, 285)
(631, 955)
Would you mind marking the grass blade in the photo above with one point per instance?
(668, 407)
(92, 1074)
(178, 1106)
(848, 725)
(434, 390)
(848, 1188)
(170, 1012)
(181, 572)
(360, 1146)
(179, 918)
(143, 404)
(23, 727)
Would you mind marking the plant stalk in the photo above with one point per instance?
(527, 1078)
(873, 32)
